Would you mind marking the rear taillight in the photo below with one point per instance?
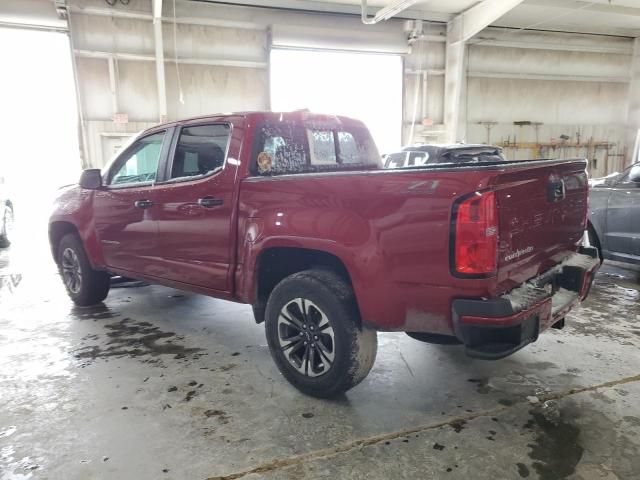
(476, 235)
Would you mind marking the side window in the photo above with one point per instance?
(200, 150)
(625, 181)
(141, 163)
(322, 146)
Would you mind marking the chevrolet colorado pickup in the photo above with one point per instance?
(294, 214)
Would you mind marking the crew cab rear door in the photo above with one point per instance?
(196, 214)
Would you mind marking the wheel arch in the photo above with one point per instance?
(57, 230)
(593, 230)
(275, 263)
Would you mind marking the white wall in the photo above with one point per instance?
(568, 82)
(573, 84)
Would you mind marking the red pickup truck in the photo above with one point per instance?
(294, 214)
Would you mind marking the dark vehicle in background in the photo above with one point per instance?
(6, 215)
(614, 215)
(419, 155)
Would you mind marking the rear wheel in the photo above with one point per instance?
(315, 336)
(84, 285)
(6, 226)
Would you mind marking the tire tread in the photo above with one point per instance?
(362, 340)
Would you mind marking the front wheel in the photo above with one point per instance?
(84, 285)
(315, 335)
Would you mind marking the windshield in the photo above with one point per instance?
(292, 147)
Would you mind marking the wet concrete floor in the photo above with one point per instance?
(161, 384)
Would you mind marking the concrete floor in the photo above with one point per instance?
(159, 384)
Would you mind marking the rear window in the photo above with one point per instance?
(289, 147)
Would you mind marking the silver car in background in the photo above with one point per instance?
(614, 215)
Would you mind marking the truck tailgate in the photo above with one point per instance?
(542, 212)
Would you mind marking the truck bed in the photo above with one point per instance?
(393, 230)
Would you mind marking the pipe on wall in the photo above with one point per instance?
(387, 12)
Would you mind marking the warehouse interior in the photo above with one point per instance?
(157, 383)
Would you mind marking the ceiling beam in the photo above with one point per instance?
(472, 21)
(618, 49)
(134, 57)
(588, 6)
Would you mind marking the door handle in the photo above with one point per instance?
(209, 202)
(143, 204)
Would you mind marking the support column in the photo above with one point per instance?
(453, 78)
(463, 27)
(157, 35)
(633, 111)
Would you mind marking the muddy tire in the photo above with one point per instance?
(315, 334)
(84, 285)
(6, 222)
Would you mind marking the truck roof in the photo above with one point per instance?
(257, 115)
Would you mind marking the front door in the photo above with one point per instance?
(195, 206)
(623, 218)
(125, 208)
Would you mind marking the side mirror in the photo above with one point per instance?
(91, 179)
(634, 174)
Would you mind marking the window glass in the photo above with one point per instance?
(417, 159)
(141, 164)
(322, 146)
(349, 150)
(200, 150)
(626, 178)
(395, 160)
(288, 147)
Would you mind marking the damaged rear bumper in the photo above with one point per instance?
(496, 328)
